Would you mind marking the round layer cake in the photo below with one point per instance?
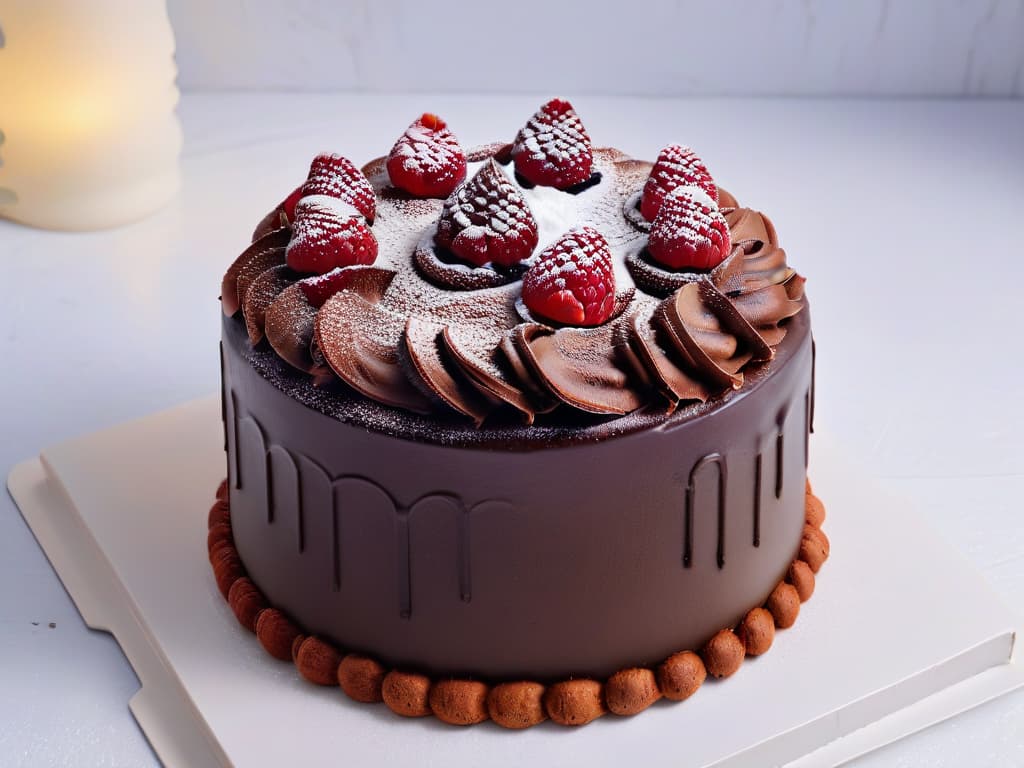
(548, 420)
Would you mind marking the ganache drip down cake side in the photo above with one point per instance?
(518, 432)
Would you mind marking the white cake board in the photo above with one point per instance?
(901, 632)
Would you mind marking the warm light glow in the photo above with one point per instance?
(88, 135)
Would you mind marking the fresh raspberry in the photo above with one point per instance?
(488, 220)
(676, 166)
(689, 231)
(336, 176)
(553, 148)
(328, 233)
(427, 160)
(573, 281)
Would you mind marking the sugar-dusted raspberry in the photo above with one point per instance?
(488, 220)
(573, 281)
(689, 231)
(328, 233)
(336, 176)
(677, 166)
(553, 148)
(427, 160)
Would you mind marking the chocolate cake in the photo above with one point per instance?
(515, 433)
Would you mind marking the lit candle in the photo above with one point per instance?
(88, 134)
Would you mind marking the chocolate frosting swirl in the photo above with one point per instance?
(460, 347)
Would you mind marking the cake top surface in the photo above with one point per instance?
(542, 290)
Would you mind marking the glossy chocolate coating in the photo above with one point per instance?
(532, 561)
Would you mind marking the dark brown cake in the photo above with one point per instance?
(459, 497)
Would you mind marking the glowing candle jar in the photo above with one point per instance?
(88, 134)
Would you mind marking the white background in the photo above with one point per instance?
(627, 47)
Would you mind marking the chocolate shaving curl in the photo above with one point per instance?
(260, 295)
(580, 366)
(260, 255)
(359, 340)
(289, 330)
(438, 370)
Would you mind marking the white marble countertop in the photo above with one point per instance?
(904, 215)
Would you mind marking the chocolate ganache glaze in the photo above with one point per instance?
(420, 470)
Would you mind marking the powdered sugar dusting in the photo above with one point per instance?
(336, 177)
(555, 211)
(342, 209)
(694, 218)
(583, 249)
(700, 196)
(421, 152)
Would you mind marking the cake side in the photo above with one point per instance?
(573, 560)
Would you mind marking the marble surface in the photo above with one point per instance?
(652, 47)
(902, 215)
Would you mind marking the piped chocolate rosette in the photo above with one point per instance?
(543, 278)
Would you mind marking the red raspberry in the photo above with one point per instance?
(427, 160)
(553, 148)
(676, 166)
(336, 176)
(573, 281)
(328, 233)
(689, 231)
(488, 220)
